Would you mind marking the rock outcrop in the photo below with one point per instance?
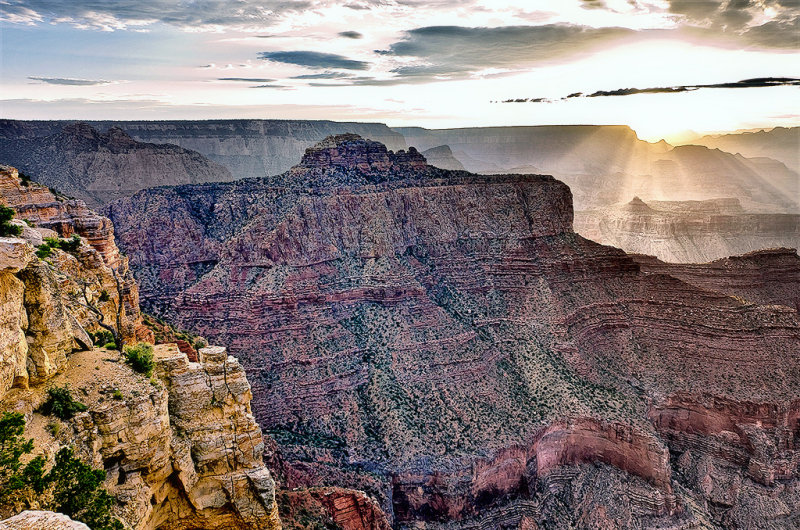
(100, 167)
(442, 156)
(688, 231)
(94, 268)
(39, 520)
(447, 344)
(181, 449)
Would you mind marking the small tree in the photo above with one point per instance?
(70, 487)
(6, 228)
(91, 304)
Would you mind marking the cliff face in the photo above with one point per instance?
(446, 343)
(100, 167)
(96, 264)
(181, 450)
(605, 165)
(780, 143)
(248, 148)
(688, 231)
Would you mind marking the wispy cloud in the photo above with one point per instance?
(312, 59)
(69, 81)
(247, 79)
(351, 34)
(759, 82)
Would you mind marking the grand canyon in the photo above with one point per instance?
(399, 265)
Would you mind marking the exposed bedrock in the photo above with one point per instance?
(688, 231)
(446, 343)
(99, 167)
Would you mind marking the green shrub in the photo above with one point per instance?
(117, 395)
(110, 345)
(102, 337)
(26, 180)
(67, 245)
(104, 296)
(70, 487)
(60, 403)
(140, 357)
(44, 251)
(54, 428)
(6, 228)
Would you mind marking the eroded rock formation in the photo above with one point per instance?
(100, 167)
(446, 343)
(688, 231)
(181, 449)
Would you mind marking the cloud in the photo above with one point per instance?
(457, 51)
(247, 79)
(124, 14)
(759, 82)
(311, 59)
(69, 81)
(325, 75)
(351, 34)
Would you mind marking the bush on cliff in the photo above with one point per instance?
(140, 357)
(70, 487)
(60, 403)
(6, 228)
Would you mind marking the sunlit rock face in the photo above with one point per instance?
(447, 344)
(606, 165)
(780, 143)
(688, 231)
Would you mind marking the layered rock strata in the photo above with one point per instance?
(100, 167)
(688, 231)
(181, 449)
(446, 343)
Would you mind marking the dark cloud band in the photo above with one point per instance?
(311, 59)
(69, 81)
(759, 82)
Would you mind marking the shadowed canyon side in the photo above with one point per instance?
(445, 342)
(248, 148)
(180, 449)
(99, 167)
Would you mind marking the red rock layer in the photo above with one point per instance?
(415, 328)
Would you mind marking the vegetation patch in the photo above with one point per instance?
(6, 228)
(60, 403)
(70, 487)
(140, 357)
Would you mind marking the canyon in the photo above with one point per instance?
(445, 343)
(606, 167)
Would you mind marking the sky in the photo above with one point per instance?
(668, 68)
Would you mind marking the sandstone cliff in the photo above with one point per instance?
(447, 344)
(181, 450)
(100, 167)
(688, 231)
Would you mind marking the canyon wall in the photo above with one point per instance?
(445, 343)
(780, 143)
(99, 167)
(247, 148)
(688, 231)
(181, 449)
